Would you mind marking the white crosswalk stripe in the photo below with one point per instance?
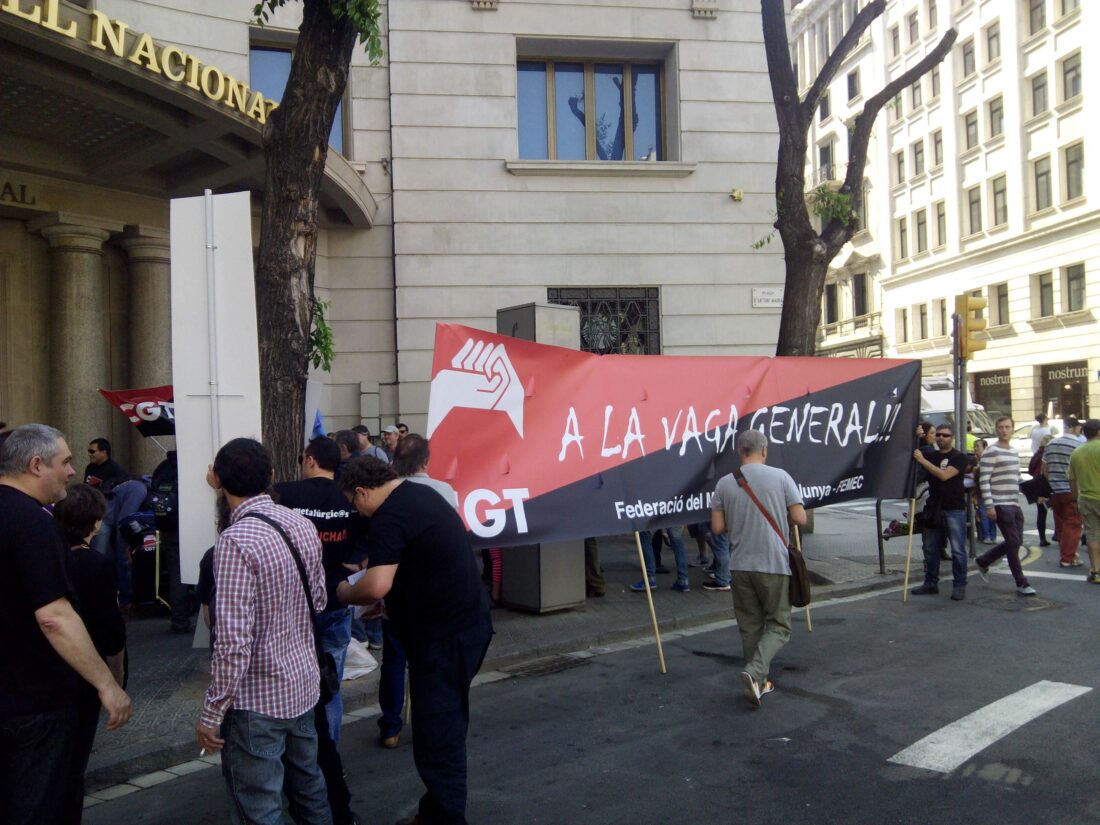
(952, 745)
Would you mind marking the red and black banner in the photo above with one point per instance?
(150, 410)
(547, 443)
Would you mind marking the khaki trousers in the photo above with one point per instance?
(761, 603)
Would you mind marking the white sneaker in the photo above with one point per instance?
(1026, 590)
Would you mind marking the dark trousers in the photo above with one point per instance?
(1011, 521)
(38, 780)
(177, 590)
(332, 768)
(87, 720)
(593, 576)
(391, 684)
(1041, 521)
(440, 673)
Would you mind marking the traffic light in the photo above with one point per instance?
(967, 308)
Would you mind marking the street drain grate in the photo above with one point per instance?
(544, 667)
(1016, 604)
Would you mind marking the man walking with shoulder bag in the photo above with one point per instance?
(759, 564)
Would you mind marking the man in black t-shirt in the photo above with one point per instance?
(42, 638)
(944, 513)
(319, 499)
(420, 559)
(102, 470)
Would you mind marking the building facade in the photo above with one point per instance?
(616, 157)
(983, 188)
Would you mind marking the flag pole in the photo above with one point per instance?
(649, 598)
(909, 551)
(798, 547)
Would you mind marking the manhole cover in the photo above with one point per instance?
(546, 666)
(1015, 604)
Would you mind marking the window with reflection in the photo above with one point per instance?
(268, 70)
(1042, 184)
(584, 110)
(1075, 288)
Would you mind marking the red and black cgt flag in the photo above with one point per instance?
(547, 443)
(150, 410)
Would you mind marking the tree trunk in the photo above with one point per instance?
(296, 146)
(806, 268)
(808, 252)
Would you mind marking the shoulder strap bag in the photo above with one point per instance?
(799, 586)
(330, 676)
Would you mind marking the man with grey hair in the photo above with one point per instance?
(760, 571)
(44, 645)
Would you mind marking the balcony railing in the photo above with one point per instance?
(860, 326)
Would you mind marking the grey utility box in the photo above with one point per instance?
(543, 577)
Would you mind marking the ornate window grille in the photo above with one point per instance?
(622, 320)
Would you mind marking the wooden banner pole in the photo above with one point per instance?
(909, 551)
(649, 598)
(798, 547)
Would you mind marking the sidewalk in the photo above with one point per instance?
(168, 677)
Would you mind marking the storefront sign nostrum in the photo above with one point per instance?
(171, 62)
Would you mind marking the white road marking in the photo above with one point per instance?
(1037, 574)
(954, 744)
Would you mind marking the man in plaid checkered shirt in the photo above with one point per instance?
(264, 678)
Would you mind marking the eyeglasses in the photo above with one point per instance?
(943, 435)
(92, 451)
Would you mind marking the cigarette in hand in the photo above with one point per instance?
(202, 753)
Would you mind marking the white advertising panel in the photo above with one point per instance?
(215, 357)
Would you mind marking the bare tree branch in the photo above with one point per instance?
(837, 233)
(840, 53)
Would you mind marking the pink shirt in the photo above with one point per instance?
(264, 656)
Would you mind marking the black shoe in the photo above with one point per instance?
(958, 594)
(1044, 544)
(925, 590)
(662, 569)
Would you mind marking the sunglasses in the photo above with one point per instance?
(943, 435)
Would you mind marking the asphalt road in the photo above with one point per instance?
(609, 739)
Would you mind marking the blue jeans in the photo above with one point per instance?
(334, 631)
(677, 542)
(374, 632)
(39, 783)
(391, 685)
(954, 530)
(721, 547)
(987, 528)
(257, 748)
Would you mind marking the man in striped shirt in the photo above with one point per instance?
(264, 676)
(1067, 518)
(1000, 479)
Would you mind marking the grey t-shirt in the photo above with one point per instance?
(754, 545)
(441, 487)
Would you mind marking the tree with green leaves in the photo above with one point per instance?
(290, 320)
(808, 252)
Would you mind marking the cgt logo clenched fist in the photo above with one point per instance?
(482, 378)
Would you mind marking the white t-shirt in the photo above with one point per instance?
(1037, 434)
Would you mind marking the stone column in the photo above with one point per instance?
(79, 357)
(150, 327)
